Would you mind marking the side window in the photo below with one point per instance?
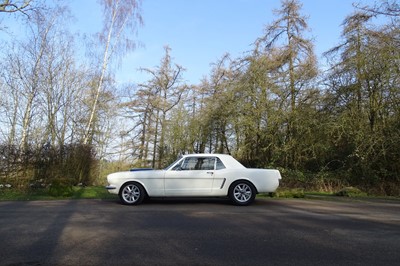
(189, 163)
(197, 163)
(207, 163)
(220, 165)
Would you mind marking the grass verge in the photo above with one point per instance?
(99, 192)
(93, 192)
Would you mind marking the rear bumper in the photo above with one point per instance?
(110, 187)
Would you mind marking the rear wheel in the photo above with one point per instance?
(132, 193)
(242, 193)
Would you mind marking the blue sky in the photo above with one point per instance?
(199, 32)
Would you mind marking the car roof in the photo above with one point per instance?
(206, 155)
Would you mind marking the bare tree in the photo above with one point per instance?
(121, 19)
(13, 6)
(166, 90)
(285, 38)
(41, 82)
(139, 109)
(389, 8)
(25, 71)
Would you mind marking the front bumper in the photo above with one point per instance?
(112, 189)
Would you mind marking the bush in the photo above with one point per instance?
(290, 193)
(61, 187)
(46, 166)
(321, 182)
(350, 192)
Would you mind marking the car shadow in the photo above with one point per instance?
(187, 200)
(224, 201)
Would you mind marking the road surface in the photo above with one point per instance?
(200, 232)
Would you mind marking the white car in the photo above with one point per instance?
(195, 175)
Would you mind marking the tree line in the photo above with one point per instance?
(324, 128)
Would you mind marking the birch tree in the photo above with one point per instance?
(24, 72)
(121, 19)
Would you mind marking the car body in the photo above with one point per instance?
(195, 175)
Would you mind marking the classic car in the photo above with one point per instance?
(195, 175)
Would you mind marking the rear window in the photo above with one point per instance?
(220, 165)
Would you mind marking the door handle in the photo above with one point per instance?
(210, 173)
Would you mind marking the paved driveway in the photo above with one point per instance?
(200, 232)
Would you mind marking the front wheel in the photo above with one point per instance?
(132, 194)
(242, 193)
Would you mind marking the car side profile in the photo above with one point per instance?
(195, 175)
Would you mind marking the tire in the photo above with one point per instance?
(132, 193)
(242, 193)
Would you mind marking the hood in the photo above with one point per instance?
(140, 169)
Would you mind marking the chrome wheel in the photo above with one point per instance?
(132, 193)
(242, 193)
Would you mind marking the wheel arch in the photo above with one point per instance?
(242, 192)
(133, 182)
(243, 179)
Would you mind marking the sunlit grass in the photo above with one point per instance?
(93, 192)
(294, 193)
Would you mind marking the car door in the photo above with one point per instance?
(192, 177)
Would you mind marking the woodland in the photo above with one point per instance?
(65, 121)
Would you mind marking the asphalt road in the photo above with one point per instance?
(200, 232)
